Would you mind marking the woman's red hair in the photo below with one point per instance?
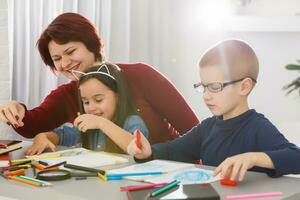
(70, 27)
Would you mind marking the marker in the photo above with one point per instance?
(38, 166)
(16, 172)
(56, 165)
(164, 188)
(253, 196)
(43, 163)
(138, 139)
(133, 174)
(104, 178)
(141, 187)
(82, 168)
(228, 182)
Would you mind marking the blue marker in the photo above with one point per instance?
(133, 174)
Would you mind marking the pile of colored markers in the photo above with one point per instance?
(17, 172)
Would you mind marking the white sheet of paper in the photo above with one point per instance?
(83, 157)
(153, 166)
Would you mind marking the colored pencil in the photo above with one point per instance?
(24, 181)
(141, 187)
(253, 195)
(133, 174)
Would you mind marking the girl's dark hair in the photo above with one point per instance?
(70, 27)
(124, 108)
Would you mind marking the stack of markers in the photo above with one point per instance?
(17, 172)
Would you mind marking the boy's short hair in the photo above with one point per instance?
(236, 57)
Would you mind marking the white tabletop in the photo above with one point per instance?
(95, 188)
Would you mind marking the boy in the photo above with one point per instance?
(236, 138)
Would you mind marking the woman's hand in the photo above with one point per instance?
(12, 114)
(88, 121)
(40, 144)
(140, 153)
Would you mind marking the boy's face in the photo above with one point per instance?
(224, 103)
(98, 99)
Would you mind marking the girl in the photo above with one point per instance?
(108, 107)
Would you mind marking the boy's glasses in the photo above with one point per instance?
(216, 86)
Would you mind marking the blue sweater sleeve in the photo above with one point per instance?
(68, 136)
(135, 122)
(185, 149)
(284, 154)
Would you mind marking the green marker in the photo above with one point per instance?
(164, 188)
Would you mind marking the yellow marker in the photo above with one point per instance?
(36, 158)
(104, 178)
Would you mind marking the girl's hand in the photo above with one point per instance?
(88, 121)
(40, 144)
(12, 114)
(236, 165)
(140, 153)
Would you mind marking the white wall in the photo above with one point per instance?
(169, 35)
(4, 65)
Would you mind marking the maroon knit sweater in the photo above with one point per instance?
(162, 107)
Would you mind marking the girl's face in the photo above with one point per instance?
(98, 99)
(70, 56)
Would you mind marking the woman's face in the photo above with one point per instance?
(70, 56)
(98, 99)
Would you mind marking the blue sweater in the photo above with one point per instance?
(70, 136)
(215, 139)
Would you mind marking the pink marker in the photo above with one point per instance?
(141, 187)
(253, 196)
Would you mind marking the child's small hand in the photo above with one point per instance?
(88, 121)
(235, 166)
(40, 143)
(140, 153)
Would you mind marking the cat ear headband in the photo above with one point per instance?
(78, 74)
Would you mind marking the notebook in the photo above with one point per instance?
(9, 145)
(195, 191)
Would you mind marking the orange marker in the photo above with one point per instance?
(16, 172)
(39, 166)
(138, 139)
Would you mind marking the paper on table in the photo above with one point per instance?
(152, 166)
(83, 157)
(163, 166)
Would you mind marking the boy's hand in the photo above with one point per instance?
(40, 143)
(236, 165)
(88, 121)
(139, 153)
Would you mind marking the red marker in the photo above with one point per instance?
(138, 139)
(228, 182)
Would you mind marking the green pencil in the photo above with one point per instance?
(165, 188)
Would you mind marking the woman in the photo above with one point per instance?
(71, 42)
